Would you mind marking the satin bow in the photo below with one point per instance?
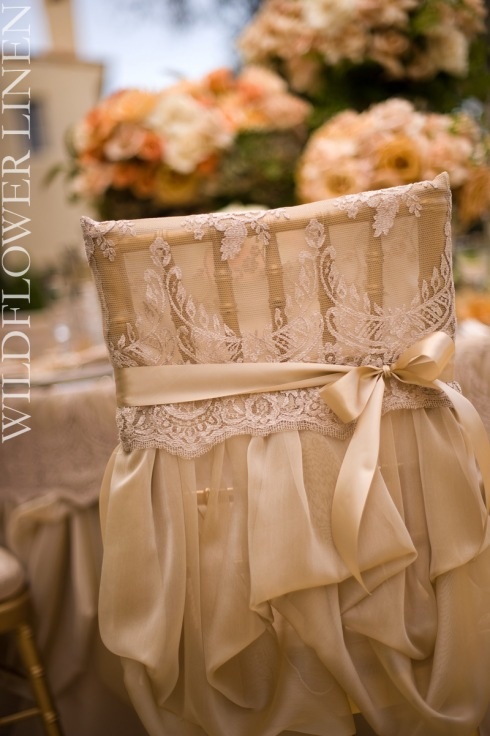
(357, 394)
(354, 393)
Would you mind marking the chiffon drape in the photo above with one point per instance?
(227, 589)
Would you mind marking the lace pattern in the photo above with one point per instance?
(235, 228)
(311, 270)
(190, 430)
(95, 235)
(385, 202)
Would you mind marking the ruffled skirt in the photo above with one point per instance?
(234, 615)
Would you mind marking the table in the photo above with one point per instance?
(49, 505)
(472, 366)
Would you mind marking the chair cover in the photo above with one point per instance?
(294, 519)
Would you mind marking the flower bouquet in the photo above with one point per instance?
(391, 144)
(191, 147)
(353, 53)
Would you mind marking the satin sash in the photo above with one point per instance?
(354, 393)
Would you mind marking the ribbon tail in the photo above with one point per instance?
(472, 423)
(354, 482)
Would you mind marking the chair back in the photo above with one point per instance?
(351, 281)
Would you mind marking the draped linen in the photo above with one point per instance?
(472, 368)
(49, 517)
(233, 589)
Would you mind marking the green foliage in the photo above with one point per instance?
(259, 169)
(39, 292)
(357, 87)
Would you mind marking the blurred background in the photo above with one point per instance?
(83, 50)
(142, 108)
(148, 43)
(180, 106)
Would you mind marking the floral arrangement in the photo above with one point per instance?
(176, 149)
(242, 138)
(356, 52)
(391, 144)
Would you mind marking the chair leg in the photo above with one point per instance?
(32, 662)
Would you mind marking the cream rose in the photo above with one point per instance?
(329, 16)
(191, 131)
(448, 49)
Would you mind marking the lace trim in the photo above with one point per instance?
(386, 202)
(190, 430)
(95, 236)
(234, 226)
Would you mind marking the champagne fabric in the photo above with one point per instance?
(12, 577)
(240, 597)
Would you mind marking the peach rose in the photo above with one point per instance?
(394, 114)
(220, 81)
(449, 153)
(124, 175)
(340, 182)
(152, 147)
(400, 157)
(387, 48)
(93, 180)
(93, 130)
(173, 188)
(350, 45)
(393, 14)
(277, 112)
(258, 80)
(125, 143)
(130, 105)
(321, 178)
(473, 198)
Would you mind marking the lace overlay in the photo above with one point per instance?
(235, 228)
(191, 429)
(309, 283)
(237, 530)
(96, 235)
(386, 204)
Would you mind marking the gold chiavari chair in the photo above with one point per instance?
(295, 520)
(17, 620)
